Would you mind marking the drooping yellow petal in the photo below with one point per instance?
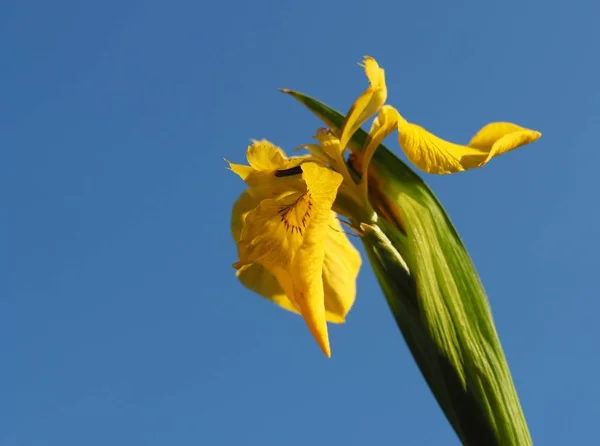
(256, 278)
(501, 137)
(322, 186)
(430, 153)
(339, 294)
(340, 267)
(435, 155)
(340, 270)
(286, 236)
(367, 104)
(244, 204)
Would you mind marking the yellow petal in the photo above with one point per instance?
(244, 204)
(317, 152)
(501, 137)
(435, 155)
(374, 72)
(322, 186)
(340, 270)
(329, 143)
(340, 267)
(367, 104)
(386, 120)
(330, 147)
(244, 172)
(256, 278)
(339, 294)
(264, 155)
(383, 125)
(286, 236)
(430, 153)
(265, 161)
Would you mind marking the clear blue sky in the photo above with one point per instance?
(121, 321)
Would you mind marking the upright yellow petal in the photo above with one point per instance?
(367, 104)
(264, 155)
(329, 143)
(266, 160)
(256, 278)
(384, 124)
(374, 72)
(286, 236)
(244, 204)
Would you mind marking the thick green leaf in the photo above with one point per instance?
(439, 304)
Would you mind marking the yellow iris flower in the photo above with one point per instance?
(291, 247)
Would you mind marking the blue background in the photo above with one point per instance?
(121, 321)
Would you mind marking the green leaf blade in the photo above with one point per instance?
(439, 305)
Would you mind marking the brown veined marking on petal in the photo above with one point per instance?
(295, 216)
